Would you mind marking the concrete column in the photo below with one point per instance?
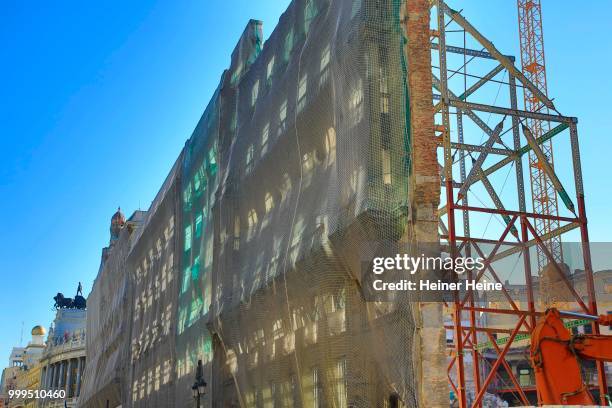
(57, 376)
(53, 375)
(43, 378)
(50, 377)
(77, 390)
(61, 377)
(68, 387)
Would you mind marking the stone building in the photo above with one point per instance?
(23, 372)
(63, 360)
(250, 258)
(109, 320)
(152, 266)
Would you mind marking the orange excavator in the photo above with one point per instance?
(556, 353)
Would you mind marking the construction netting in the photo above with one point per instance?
(152, 265)
(301, 157)
(250, 257)
(108, 325)
(200, 173)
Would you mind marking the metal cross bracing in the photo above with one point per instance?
(483, 139)
(544, 197)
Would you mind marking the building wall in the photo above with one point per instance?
(62, 363)
(109, 321)
(303, 155)
(152, 266)
(313, 158)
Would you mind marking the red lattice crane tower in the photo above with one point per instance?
(544, 196)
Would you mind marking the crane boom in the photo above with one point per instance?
(544, 196)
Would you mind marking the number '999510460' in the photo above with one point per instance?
(37, 394)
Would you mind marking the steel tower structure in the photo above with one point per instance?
(544, 196)
(487, 331)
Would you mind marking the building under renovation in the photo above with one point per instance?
(315, 145)
(249, 258)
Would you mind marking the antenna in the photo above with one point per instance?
(21, 335)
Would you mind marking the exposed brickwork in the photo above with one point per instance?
(425, 199)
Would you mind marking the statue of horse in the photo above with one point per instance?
(62, 302)
(79, 302)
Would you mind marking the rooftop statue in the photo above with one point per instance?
(79, 302)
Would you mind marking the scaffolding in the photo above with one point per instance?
(473, 169)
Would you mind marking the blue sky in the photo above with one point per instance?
(98, 98)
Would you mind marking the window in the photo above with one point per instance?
(310, 12)
(299, 233)
(249, 159)
(302, 87)
(237, 233)
(254, 93)
(307, 162)
(341, 384)
(135, 390)
(195, 269)
(157, 377)
(198, 226)
(252, 219)
(269, 205)
(317, 389)
(187, 196)
(269, 202)
(277, 329)
(270, 69)
(198, 179)
(355, 103)
(288, 45)
(384, 103)
(264, 138)
(285, 187)
(386, 166)
(282, 117)
(330, 145)
(212, 153)
(325, 58)
(524, 376)
(186, 275)
(188, 238)
(384, 93)
(324, 65)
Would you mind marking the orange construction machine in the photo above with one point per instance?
(556, 354)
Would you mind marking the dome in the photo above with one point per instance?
(117, 222)
(38, 331)
(118, 218)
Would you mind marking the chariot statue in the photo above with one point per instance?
(79, 302)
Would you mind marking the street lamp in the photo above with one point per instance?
(199, 386)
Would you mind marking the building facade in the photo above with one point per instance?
(63, 360)
(152, 265)
(23, 372)
(249, 261)
(109, 320)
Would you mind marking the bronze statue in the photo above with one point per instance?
(62, 302)
(79, 302)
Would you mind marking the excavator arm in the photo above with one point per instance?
(555, 356)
